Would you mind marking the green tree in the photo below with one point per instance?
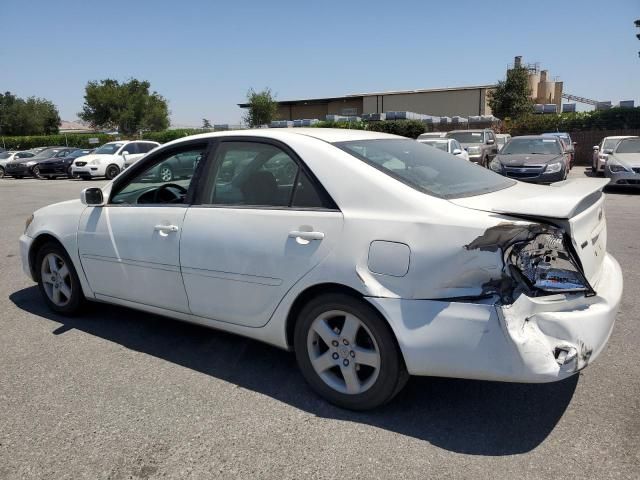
(33, 116)
(263, 108)
(128, 107)
(512, 97)
(206, 123)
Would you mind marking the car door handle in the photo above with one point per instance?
(306, 235)
(165, 228)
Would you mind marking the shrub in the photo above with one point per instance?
(405, 128)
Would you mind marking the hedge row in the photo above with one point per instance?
(405, 128)
(612, 119)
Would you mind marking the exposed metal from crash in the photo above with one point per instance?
(537, 260)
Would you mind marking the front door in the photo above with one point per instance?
(129, 248)
(262, 224)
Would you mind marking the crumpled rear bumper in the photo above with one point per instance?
(534, 340)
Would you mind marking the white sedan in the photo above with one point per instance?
(372, 256)
(449, 145)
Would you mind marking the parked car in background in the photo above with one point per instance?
(602, 151)
(109, 159)
(623, 163)
(30, 167)
(430, 135)
(432, 266)
(8, 156)
(449, 145)
(569, 145)
(502, 139)
(61, 167)
(480, 144)
(532, 158)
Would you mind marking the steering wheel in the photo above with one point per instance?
(165, 186)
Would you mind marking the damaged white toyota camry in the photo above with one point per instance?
(374, 257)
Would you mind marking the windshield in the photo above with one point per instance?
(426, 169)
(108, 149)
(78, 153)
(46, 153)
(629, 145)
(439, 145)
(467, 137)
(532, 146)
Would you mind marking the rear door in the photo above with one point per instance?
(261, 224)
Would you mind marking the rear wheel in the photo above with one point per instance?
(57, 280)
(36, 172)
(165, 173)
(111, 172)
(347, 352)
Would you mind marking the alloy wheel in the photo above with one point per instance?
(36, 172)
(166, 175)
(112, 172)
(343, 352)
(56, 279)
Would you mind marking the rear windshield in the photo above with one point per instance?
(467, 137)
(629, 145)
(533, 146)
(444, 146)
(426, 168)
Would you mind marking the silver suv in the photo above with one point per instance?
(480, 144)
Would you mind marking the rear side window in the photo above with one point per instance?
(260, 175)
(425, 168)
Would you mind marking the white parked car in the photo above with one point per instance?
(449, 145)
(502, 139)
(109, 159)
(373, 256)
(431, 135)
(602, 151)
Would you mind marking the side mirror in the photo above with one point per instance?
(608, 151)
(491, 141)
(92, 197)
(124, 154)
(596, 148)
(457, 151)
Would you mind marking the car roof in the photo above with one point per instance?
(531, 137)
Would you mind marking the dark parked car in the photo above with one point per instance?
(177, 166)
(20, 168)
(480, 144)
(534, 158)
(569, 145)
(61, 166)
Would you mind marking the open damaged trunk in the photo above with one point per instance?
(576, 206)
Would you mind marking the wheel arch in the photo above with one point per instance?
(37, 243)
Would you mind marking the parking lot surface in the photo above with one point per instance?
(121, 394)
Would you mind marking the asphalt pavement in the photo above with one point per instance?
(119, 394)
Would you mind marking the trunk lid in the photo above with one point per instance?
(576, 205)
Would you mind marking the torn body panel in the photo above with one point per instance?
(521, 342)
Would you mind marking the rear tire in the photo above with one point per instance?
(347, 352)
(165, 174)
(1, 172)
(36, 172)
(57, 280)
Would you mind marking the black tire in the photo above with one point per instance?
(36, 172)
(69, 174)
(485, 162)
(76, 300)
(1, 172)
(392, 375)
(111, 172)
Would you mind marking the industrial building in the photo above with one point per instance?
(439, 102)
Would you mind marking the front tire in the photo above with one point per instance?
(57, 280)
(1, 172)
(69, 174)
(36, 172)
(165, 174)
(347, 352)
(111, 172)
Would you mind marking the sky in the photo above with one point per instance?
(203, 56)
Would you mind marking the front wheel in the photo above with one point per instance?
(347, 352)
(57, 280)
(1, 172)
(69, 174)
(36, 172)
(165, 173)
(111, 172)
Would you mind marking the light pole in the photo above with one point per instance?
(637, 23)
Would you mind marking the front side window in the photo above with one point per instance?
(426, 169)
(130, 148)
(163, 180)
(144, 147)
(259, 174)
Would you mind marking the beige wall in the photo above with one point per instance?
(299, 112)
(335, 107)
(446, 103)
